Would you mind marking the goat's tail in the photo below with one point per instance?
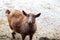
(7, 11)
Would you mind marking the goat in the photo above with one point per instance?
(22, 23)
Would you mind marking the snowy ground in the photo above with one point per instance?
(48, 24)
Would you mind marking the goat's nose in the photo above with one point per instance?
(30, 22)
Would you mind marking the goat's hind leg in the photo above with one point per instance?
(13, 35)
(23, 36)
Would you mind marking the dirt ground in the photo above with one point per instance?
(48, 24)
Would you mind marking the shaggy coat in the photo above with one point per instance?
(18, 22)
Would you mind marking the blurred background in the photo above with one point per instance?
(48, 24)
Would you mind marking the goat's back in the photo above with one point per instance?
(15, 17)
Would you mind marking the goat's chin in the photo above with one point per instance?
(30, 24)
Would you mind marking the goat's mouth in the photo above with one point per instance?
(30, 23)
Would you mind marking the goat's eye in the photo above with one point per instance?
(28, 15)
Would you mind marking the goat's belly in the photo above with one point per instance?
(17, 30)
(20, 30)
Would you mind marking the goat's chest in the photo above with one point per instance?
(28, 30)
(32, 30)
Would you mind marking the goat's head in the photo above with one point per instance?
(31, 17)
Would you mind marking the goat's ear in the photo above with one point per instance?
(24, 13)
(7, 11)
(38, 15)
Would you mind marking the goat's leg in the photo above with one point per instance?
(30, 37)
(13, 35)
(23, 37)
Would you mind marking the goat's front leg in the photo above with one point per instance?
(31, 36)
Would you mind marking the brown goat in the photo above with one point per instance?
(22, 23)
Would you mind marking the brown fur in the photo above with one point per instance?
(17, 22)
